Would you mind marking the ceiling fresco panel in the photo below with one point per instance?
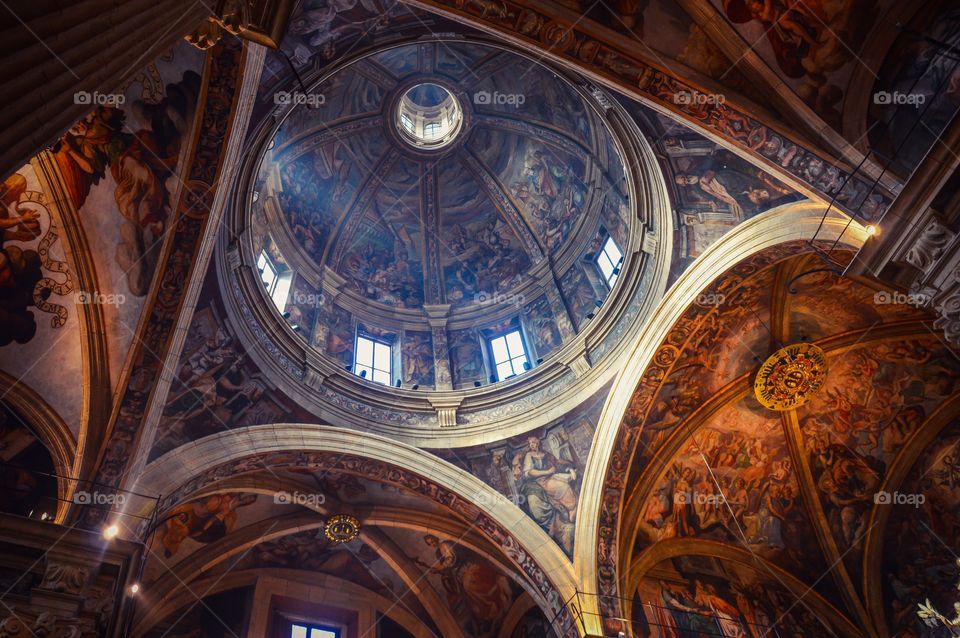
(540, 471)
(875, 398)
(700, 595)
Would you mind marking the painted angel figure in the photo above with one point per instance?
(933, 618)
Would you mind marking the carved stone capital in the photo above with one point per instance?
(929, 246)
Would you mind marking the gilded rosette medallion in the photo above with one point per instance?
(341, 528)
(790, 377)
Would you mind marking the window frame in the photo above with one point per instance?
(372, 369)
(603, 254)
(310, 627)
(522, 357)
(280, 280)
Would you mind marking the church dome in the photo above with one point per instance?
(415, 181)
(432, 197)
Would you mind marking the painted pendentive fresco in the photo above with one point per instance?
(712, 189)
(922, 539)
(216, 386)
(540, 471)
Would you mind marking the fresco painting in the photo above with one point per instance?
(215, 388)
(541, 327)
(921, 541)
(734, 480)
(312, 551)
(317, 25)
(479, 252)
(825, 304)
(303, 305)
(712, 190)
(31, 279)
(540, 471)
(341, 94)
(703, 596)
(382, 260)
(548, 186)
(852, 430)
(417, 355)
(477, 593)
(466, 357)
(334, 333)
(546, 101)
(38, 296)
(317, 187)
(579, 294)
(124, 156)
(813, 46)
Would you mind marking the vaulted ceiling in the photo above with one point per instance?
(629, 479)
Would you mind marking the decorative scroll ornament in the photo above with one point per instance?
(341, 528)
(790, 377)
(933, 618)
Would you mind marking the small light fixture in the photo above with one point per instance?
(540, 360)
(110, 532)
(363, 374)
(416, 386)
(616, 270)
(285, 315)
(589, 315)
(134, 589)
(599, 302)
(872, 230)
(493, 378)
(397, 384)
(348, 368)
(476, 384)
(526, 365)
